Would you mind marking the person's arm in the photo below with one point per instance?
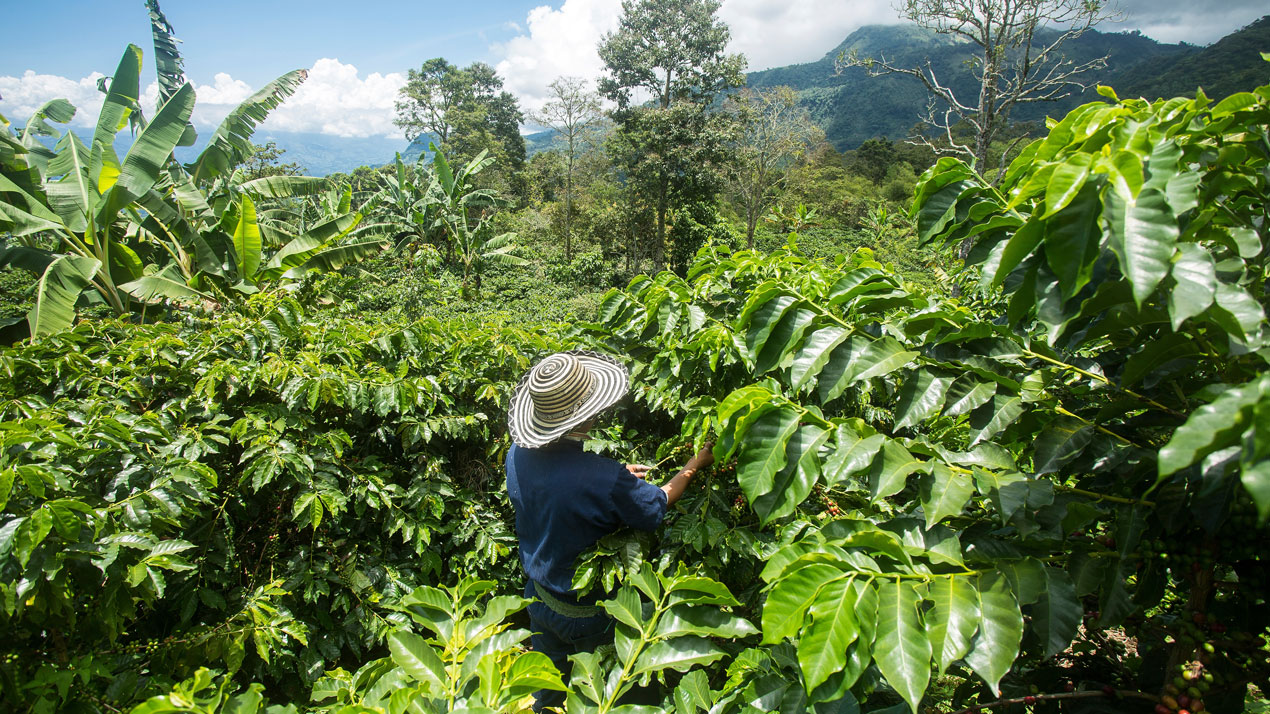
(676, 486)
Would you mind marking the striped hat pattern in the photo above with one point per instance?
(561, 392)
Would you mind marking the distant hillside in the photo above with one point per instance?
(317, 154)
(853, 107)
(321, 154)
(1232, 64)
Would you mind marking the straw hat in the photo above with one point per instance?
(561, 392)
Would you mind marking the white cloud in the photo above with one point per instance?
(775, 33)
(333, 100)
(559, 42)
(336, 100)
(20, 97)
(1187, 20)
(770, 33)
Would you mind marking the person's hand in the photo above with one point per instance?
(703, 458)
(638, 470)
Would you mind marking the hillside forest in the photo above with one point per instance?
(988, 400)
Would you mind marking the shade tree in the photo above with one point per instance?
(664, 66)
(774, 133)
(571, 112)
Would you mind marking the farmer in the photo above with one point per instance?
(566, 499)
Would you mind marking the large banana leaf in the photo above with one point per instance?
(336, 257)
(30, 217)
(296, 252)
(232, 141)
(34, 260)
(167, 283)
(247, 242)
(38, 155)
(284, 186)
(58, 290)
(74, 196)
(148, 154)
(168, 63)
(121, 99)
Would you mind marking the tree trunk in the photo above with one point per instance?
(659, 250)
(568, 206)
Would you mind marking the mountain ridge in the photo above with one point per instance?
(1137, 66)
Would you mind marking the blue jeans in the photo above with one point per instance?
(558, 637)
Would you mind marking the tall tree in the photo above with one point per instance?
(774, 133)
(673, 52)
(1020, 61)
(571, 112)
(424, 104)
(466, 110)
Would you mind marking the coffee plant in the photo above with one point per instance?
(1043, 486)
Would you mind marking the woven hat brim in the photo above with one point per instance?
(611, 384)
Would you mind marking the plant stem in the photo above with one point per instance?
(1118, 693)
(1104, 380)
(1103, 497)
(1097, 426)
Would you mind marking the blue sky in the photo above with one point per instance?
(256, 41)
(357, 53)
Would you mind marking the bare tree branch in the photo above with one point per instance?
(1011, 68)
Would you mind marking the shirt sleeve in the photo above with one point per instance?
(638, 503)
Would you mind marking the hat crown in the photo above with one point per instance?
(558, 385)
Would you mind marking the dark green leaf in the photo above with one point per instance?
(1144, 235)
(891, 469)
(823, 645)
(1059, 442)
(762, 454)
(1072, 241)
(953, 618)
(994, 416)
(944, 493)
(813, 355)
(967, 393)
(851, 455)
(679, 654)
(1057, 613)
(785, 338)
(57, 292)
(920, 398)
(791, 596)
(902, 651)
(1000, 631)
(792, 483)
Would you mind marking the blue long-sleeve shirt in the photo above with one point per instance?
(566, 499)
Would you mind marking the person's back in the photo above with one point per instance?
(567, 499)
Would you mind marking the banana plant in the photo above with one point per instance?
(403, 200)
(472, 662)
(84, 197)
(463, 214)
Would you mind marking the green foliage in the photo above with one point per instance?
(469, 663)
(921, 496)
(464, 110)
(663, 623)
(671, 149)
(147, 228)
(240, 493)
(976, 452)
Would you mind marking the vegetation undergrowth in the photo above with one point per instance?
(1009, 451)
